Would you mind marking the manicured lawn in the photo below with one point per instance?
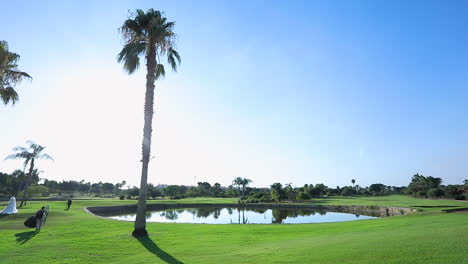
(73, 236)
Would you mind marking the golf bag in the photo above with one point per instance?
(30, 222)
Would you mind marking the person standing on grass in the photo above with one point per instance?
(40, 216)
(69, 202)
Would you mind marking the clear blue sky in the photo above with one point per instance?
(275, 91)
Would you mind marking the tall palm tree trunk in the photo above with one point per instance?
(140, 221)
(26, 185)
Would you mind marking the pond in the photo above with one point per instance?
(231, 215)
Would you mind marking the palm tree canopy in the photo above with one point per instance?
(145, 31)
(33, 152)
(246, 181)
(10, 75)
(237, 181)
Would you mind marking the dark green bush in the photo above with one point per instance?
(251, 200)
(422, 194)
(435, 192)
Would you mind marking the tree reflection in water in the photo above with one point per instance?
(279, 215)
(241, 215)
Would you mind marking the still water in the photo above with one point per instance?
(213, 215)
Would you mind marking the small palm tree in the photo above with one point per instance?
(30, 154)
(151, 35)
(9, 74)
(237, 182)
(245, 182)
(241, 182)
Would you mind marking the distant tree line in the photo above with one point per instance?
(279, 193)
(420, 186)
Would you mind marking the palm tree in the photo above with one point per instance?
(29, 155)
(9, 74)
(244, 183)
(237, 182)
(241, 182)
(151, 35)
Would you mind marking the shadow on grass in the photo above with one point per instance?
(25, 236)
(153, 248)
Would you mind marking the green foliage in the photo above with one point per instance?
(422, 194)
(36, 191)
(231, 192)
(277, 192)
(377, 188)
(154, 192)
(348, 191)
(435, 192)
(10, 75)
(174, 191)
(30, 154)
(148, 31)
(317, 190)
(241, 182)
(421, 184)
(11, 184)
(301, 195)
(135, 191)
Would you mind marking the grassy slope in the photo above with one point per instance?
(76, 237)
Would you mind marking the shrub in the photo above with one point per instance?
(422, 194)
(348, 191)
(129, 197)
(251, 200)
(122, 197)
(435, 192)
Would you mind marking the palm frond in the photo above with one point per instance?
(139, 31)
(20, 149)
(20, 155)
(45, 156)
(172, 56)
(130, 30)
(19, 74)
(9, 94)
(160, 71)
(129, 55)
(31, 143)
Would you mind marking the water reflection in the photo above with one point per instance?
(218, 215)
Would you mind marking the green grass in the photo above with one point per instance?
(73, 236)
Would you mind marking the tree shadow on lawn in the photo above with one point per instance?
(153, 248)
(25, 236)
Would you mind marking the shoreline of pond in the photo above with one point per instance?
(371, 210)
